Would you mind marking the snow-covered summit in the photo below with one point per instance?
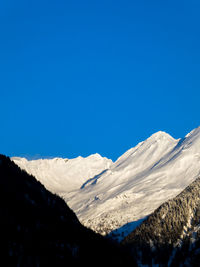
(159, 142)
(64, 175)
(139, 181)
(160, 135)
(107, 195)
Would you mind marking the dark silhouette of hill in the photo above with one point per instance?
(37, 228)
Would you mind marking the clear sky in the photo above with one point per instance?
(79, 77)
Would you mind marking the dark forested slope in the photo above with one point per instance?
(171, 235)
(37, 228)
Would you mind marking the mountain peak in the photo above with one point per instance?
(160, 135)
(95, 155)
(194, 132)
(127, 190)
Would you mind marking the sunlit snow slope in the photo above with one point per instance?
(64, 175)
(131, 188)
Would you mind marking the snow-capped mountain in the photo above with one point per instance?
(64, 175)
(138, 182)
(121, 194)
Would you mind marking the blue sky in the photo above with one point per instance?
(80, 77)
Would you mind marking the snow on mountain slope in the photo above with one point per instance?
(64, 175)
(138, 182)
(107, 196)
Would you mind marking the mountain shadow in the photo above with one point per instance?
(37, 228)
(120, 233)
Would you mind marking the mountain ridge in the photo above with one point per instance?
(138, 182)
(57, 173)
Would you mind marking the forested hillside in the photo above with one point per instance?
(38, 229)
(171, 235)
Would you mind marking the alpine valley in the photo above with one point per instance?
(148, 199)
(115, 197)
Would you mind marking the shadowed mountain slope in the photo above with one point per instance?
(38, 229)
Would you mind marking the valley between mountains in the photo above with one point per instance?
(113, 198)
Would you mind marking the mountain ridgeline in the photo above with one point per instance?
(37, 228)
(112, 197)
(149, 199)
(170, 236)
